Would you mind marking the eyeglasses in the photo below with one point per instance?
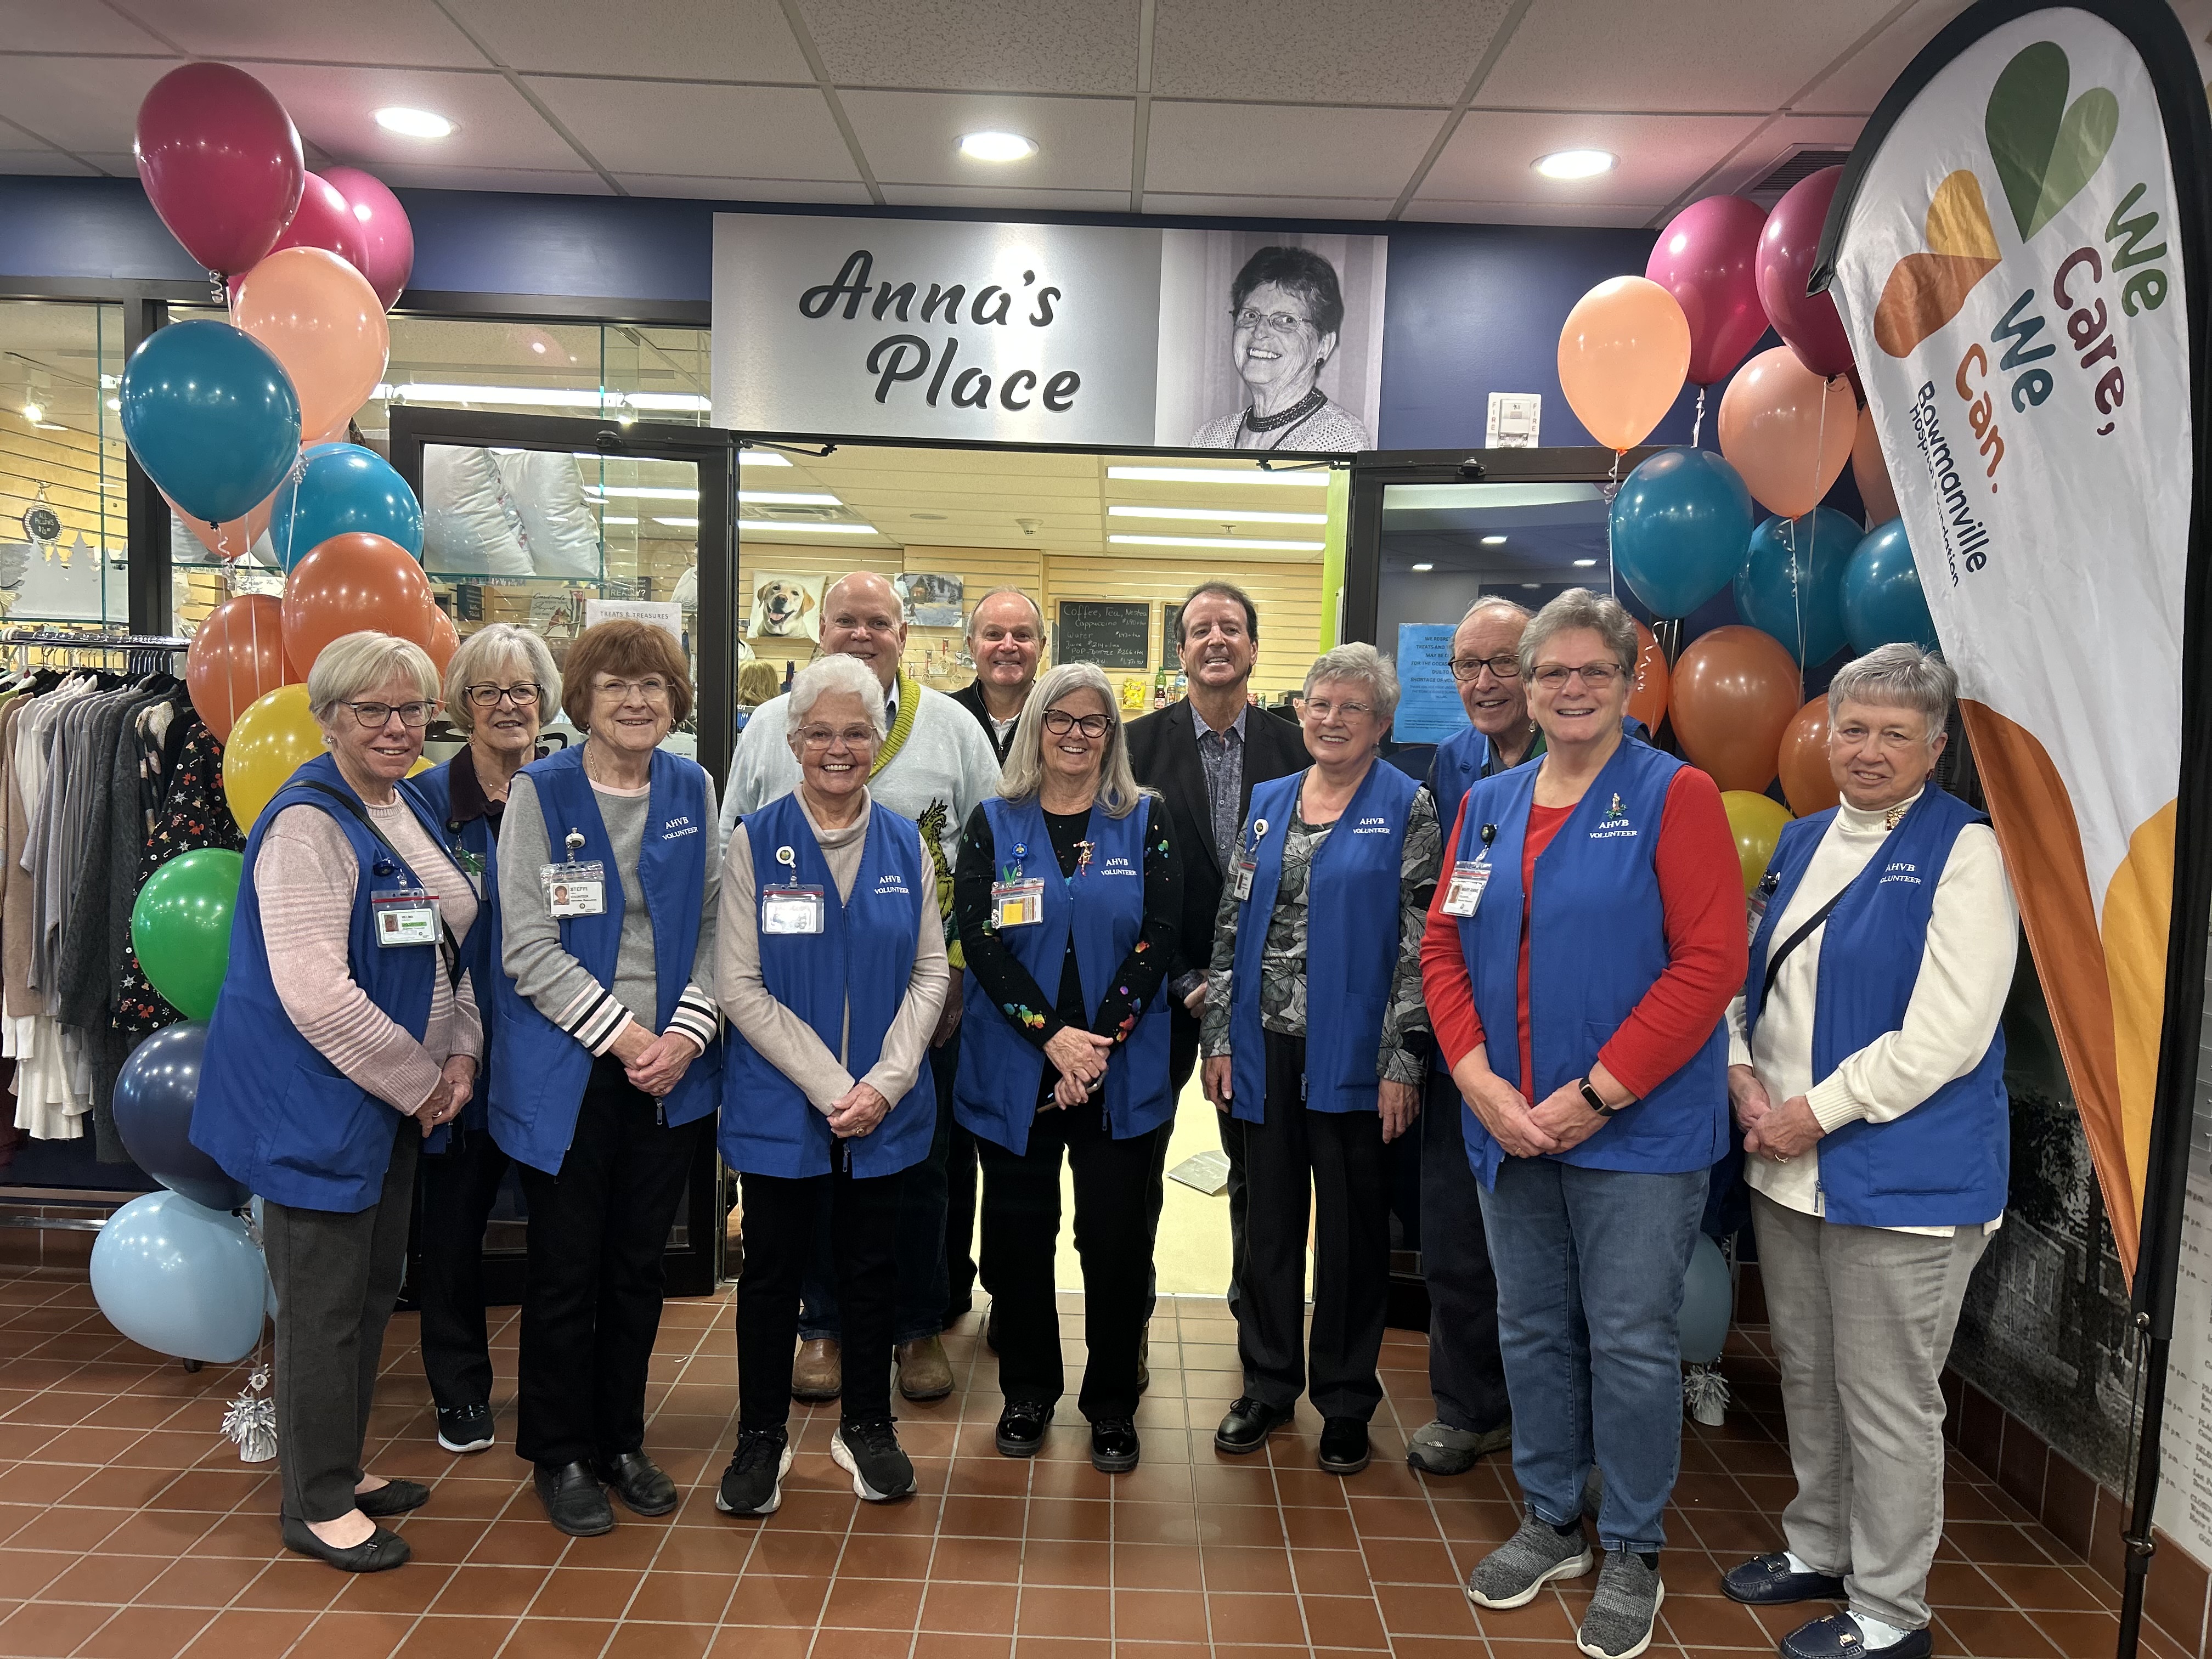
(489, 696)
(652, 688)
(865, 624)
(1596, 676)
(1507, 667)
(852, 737)
(373, 716)
(1060, 723)
(1321, 709)
(1282, 322)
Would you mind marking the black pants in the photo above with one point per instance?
(456, 1190)
(591, 1307)
(1465, 1373)
(1338, 1159)
(781, 1216)
(1113, 1237)
(962, 1272)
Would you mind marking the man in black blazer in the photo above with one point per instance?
(1005, 636)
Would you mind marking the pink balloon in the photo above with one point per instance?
(324, 221)
(1708, 259)
(220, 162)
(1807, 322)
(387, 238)
(1787, 431)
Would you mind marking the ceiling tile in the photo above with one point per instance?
(730, 40)
(1270, 207)
(1779, 139)
(78, 103)
(742, 190)
(1083, 143)
(774, 132)
(1489, 157)
(1265, 149)
(1011, 198)
(1624, 216)
(984, 45)
(1858, 83)
(412, 32)
(534, 180)
(1404, 52)
(496, 126)
(47, 161)
(36, 25)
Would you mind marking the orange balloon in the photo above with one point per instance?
(237, 657)
(354, 582)
(1734, 691)
(444, 639)
(233, 537)
(1647, 702)
(1624, 355)
(321, 318)
(1786, 430)
(1806, 778)
(1871, 473)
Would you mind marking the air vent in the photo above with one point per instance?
(1792, 169)
(792, 513)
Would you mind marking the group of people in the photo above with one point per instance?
(927, 938)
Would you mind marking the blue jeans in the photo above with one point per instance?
(1591, 1264)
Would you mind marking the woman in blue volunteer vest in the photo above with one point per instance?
(321, 1082)
(832, 972)
(606, 1057)
(1586, 936)
(1313, 1042)
(1867, 1071)
(1068, 879)
(497, 686)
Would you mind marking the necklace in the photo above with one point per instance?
(1255, 421)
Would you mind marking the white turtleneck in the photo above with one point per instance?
(1965, 972)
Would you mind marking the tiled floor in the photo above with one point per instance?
(130, 1528)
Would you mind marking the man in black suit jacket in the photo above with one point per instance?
(1006, 635)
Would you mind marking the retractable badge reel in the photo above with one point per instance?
(1017, 901)
(404, 916)
(790, 906)
(1249, 865)
(1463, 896)
(575, 887)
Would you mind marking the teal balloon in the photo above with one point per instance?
(1883, 604)
(180, 927)
(180, 1279)
(211, 415)
(1679, 526)
(338, 489)
(1792, 583)
(1708, 1304)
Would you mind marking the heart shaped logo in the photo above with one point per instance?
(2046, 149)
(1926, 290)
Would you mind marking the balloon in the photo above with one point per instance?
(1883, 601)
(350, 583)
(1733, 692)
(1791, 585)
(271, 740)
(180, 1279)
(1679, 526)
(211, 415)
(1787, 250)
(220, 162)
(325, 220)
(1708, 1304)
(230, 540)
(445, 640)
(1787, 430)
(321, 318)
(1647, 701)
(181, 927)
(154, 1100)
(1806, 778)
(387, 238)
(1708, 258)
(1622, 355)
(237, 657)
(1871, 473)
(1756, 820)
(338, 489)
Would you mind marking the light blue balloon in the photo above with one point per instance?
(339, 489)
(1791, 585)
(211, 415)
(1678, 527)
(180, 1279)
(1883, 604)
(1708, 1304)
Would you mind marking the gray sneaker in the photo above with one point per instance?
(1618, 1623)
(1439, 1448)
(1510, 1575)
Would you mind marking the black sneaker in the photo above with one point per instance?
(753, 1484)
(1114, 1446)
(465, 1428)
(1021, 1428)
(870, 1453)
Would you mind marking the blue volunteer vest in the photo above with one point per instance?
(1351, 942)
(277, 1116)
(1947, 1161)
(847, 982)
(539, 1071)
(1596, 944)
(996, 1095)
(480, 945)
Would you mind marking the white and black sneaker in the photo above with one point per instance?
(870, 1453)
(465, 1428)
(753, 1484)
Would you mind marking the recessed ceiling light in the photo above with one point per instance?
(779, 526)
(1584, 564)
(681, 524)
(1215, 541)
(1575, 163)
(1315, 477)
(933, 517)
(413, 123)
(1532, 584)
(34, 412)
(612, 518)
(1215, 515)
(1425, 566)
(1493, 541)
(997, 147)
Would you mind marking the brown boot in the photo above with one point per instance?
(924, 1372)
(818, 1372)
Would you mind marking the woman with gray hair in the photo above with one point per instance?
(1069, 879)
(1579, 957)
(1867, 1073)
(322, 1081)
(1333, 873)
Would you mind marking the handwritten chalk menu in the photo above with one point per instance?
(2185, 1482)
(1429, 708)
(1112, 635)
(1170, 623)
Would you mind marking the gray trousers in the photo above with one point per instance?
(336, 1277)
(1863, 1320)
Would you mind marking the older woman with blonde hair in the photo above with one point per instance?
(320, 1083)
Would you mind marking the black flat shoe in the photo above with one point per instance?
(1766, 1581)
(381, 1553)
(1247, 1426)
(1114, 1445)
(639, 1481)
(394, 1497)
(1344, 1448)
(574, 1501)
(1021, 1428)
(1838, 1636)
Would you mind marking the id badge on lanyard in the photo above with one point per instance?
(1463, 896)
(404, 916)
(795, 908)
(1755, 906)
(1249, 865)
(575, 887)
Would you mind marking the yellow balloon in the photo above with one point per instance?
(272, 740)
(423, 764)
(1756, 820)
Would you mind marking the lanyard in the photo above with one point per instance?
(450, 947)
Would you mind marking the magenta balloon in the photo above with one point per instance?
(1807, 322)
(1708, 259)
(325, 220)
(220, 162)
(387, 239)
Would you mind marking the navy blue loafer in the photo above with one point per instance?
(1766, 1581)
(1838, 1636)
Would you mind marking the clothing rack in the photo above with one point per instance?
(143, 653)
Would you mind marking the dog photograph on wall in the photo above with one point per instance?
(786, 607)
(930, 600)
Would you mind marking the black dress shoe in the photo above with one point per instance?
(638, 1482)
(1022, 1426)
(1247, 1426)
(1344, 1448)
(574, 1501)
(392, 1498)
(381, 1553)
(1767, 1581)
(1114, 1445)
(1838, 1636)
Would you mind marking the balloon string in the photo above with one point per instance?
(1798, 596)
(1611, 488)
(1698, 421)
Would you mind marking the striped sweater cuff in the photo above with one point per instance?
(695, 1017)
(595, 1019)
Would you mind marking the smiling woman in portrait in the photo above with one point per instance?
(1287, 314)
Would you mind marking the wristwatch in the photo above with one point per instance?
(1595, 1102)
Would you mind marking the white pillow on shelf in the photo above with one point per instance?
(558, 529)
(470, 526)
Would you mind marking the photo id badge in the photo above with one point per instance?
(791, 910)
(405, 916)
(1245, 871)
(1017, 903)
(1464, 894)
(578, 889)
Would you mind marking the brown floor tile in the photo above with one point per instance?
(1060, 1611)
(854, 1644)
(136, 1632)
(760, 1600)
(938, 1646)
(37, 1629)
(1344, 1621)
(1260, 1619)
(1994, 1633)
(660, 1641)
(243, 1635)
(1158, 1615)
(1066, 1565)
(1158, 1566)
(979, 1610)
(974, 1560)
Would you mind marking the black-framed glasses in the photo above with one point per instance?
(1060, 723)
(1597, 676)
(1282, 322)
(489, 696)
(1505, 667)
(375, 715)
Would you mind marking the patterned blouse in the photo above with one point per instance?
(193, 814)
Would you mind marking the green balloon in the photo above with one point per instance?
(180, 927)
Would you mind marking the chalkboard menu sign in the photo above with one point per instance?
(1110, 634)
(1171, 619)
